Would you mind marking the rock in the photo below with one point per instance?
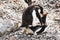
(12, 38)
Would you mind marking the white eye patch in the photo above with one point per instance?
(40, 13)
(39, 10)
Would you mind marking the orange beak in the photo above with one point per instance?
(43, 14)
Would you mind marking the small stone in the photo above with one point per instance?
(12, 38)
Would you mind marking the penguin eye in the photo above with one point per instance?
(39, 10)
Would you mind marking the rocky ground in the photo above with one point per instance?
(10, 20)
(18, 36)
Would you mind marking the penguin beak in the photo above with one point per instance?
(43, 14)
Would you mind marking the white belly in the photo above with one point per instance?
(35, 19)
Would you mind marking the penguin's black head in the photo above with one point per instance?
(29, 2)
